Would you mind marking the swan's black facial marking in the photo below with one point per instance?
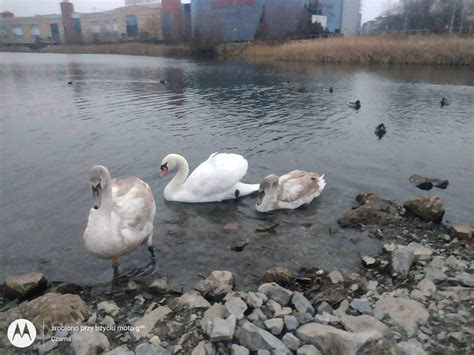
(96, 190)
(164, 169)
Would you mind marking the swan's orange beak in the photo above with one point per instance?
(163, 170)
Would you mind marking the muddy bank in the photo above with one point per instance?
(414, 297)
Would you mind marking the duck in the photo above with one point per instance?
(163, 82)
(289, 191)
(214, 180)
(69, 82)
(355, 105)
(444, 102)
(380, 130)
(121, 217)
(301, 89)
(330, 89)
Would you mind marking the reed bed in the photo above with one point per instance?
(132, 48)
(426, 49)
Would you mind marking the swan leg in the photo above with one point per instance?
(115, 265)
(152, 252)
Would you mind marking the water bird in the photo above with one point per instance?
(380, 130)
(163, 82)
(355, 105)
(301, 89)
(330, 89)
(289, 191)
(444, 102)
(69, 82)
(121, 217)
(214, 180)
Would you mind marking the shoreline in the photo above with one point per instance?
(415, 295)
(384, 49)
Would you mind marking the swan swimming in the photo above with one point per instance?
(289, 191)
(214, 180)
(121, 217)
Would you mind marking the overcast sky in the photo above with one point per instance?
(370, 8)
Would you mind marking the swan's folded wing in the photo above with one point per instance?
(218, 174)
(296, 185)
(134, 207)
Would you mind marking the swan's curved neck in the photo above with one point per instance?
(182, 174)
(106, 201)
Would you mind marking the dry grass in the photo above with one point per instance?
(382, 49)
(132, 48)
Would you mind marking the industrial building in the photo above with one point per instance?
(243, 20)
(141, 21)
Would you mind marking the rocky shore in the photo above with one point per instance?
(415, 297)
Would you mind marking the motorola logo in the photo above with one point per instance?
(21, 333)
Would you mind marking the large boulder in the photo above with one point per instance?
(407, 313)
(335, 341)
(255, 338)
(465, 232)
(24, 285)
(364, 323)
(371, 210)
(427, 208)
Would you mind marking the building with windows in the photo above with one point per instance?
(122, 24)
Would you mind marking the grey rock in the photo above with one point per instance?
(291, 323)
(284, 311)
(193, 300)
(402, 258)
(108, 307)
(421, 252)
(465, 279)
(406, 313)
(263, 352)
(455, 263)
(301, 303)
(276, 292)
(343, 307)
(24, 285)
(326, 318)
(275, 325)
(215, 311)
(149, 349)
(257, 317)
(417, 295)
(410, 347)
(325, 307)
(204, 348)
(427, 208)
(239, 350)
(273, 306)
(426, 287)
(303, 318)
(253, 300)
(336, 277)
(146, 323)
(335, 341)
(223, 329)
(369, 261)
(46, 347)
(362, 305)
(435, 274)
(235, 306)
(121, 350)
(308, 350)
(108, 321)
(255, 338)
(364, 323)
(291, 341)
(160, 285)
(87, 343)
(219, 283)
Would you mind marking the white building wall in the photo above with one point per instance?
(351, 17)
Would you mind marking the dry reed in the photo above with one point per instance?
(429, 49)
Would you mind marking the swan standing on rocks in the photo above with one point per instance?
(288, 191)
(121, 217)
(214, 180)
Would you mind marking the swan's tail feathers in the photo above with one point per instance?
(247, 189)
(321, 183)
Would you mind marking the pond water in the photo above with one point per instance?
(117, 113)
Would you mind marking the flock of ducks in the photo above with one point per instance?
(123, 211)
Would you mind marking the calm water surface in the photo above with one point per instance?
(117, 114)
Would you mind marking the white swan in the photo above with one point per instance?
(288, 191)
(121, 218)
(214, 180)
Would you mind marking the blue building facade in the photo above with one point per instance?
(239, 20)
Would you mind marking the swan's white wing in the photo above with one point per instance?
(218, 174)
(296, 185)
(133, 209)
